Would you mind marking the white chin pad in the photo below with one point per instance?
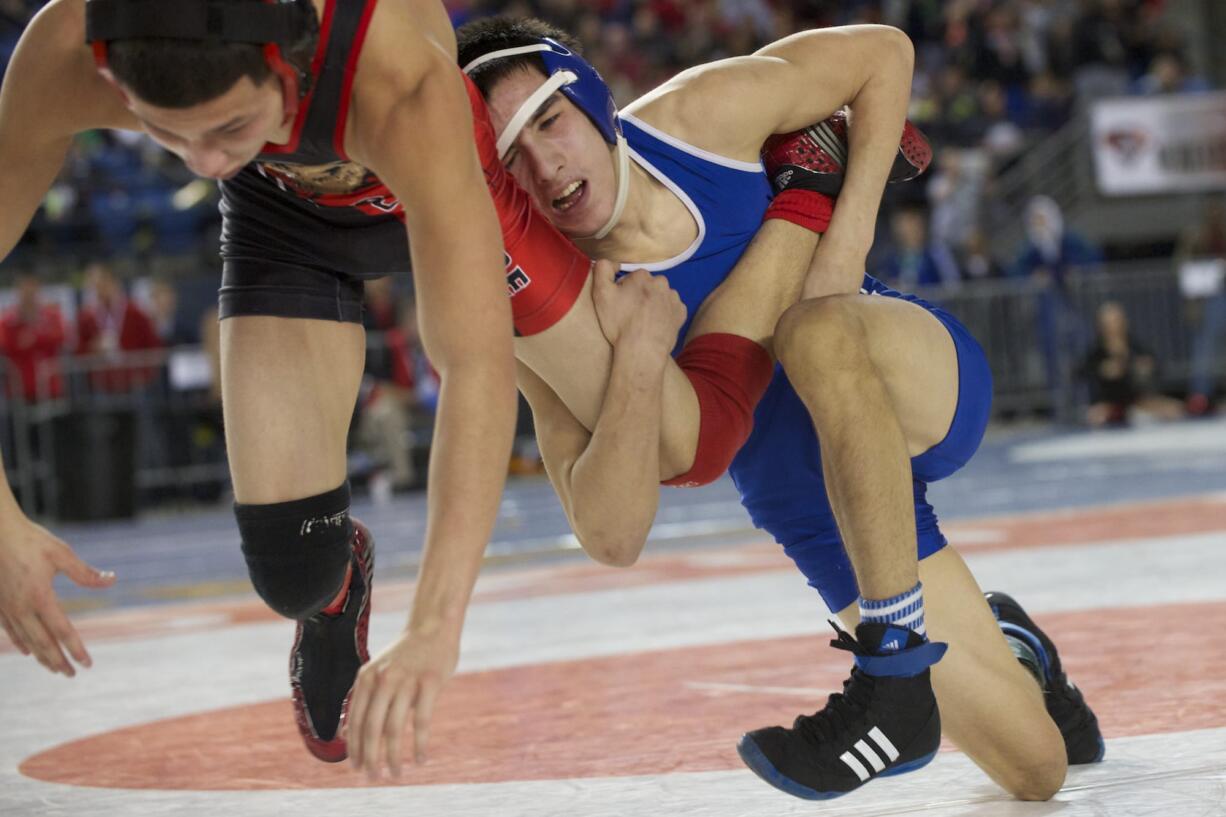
(530, 106)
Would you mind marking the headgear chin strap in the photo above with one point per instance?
(623, 188)
(275, 25)
(582, 84)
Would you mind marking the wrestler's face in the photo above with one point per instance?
(559, 158)
(217, 138)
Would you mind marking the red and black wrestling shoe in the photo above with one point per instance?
(815, 158)
(328, 651)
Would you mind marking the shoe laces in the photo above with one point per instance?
(843, 709)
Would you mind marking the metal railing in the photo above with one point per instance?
(1029, 326)
(168, 397)
(1057, 166)
(146, 400)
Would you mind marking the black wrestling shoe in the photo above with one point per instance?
(1083, 741)
(884, 722)
(328, 651)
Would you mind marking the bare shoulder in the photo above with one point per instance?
(686, 106)
(53, 62)
(406, 40)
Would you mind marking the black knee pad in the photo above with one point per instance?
(297, 552)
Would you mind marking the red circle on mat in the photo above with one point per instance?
(678, 710)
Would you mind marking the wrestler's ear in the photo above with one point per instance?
(114, 83)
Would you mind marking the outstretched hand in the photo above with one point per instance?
(30, 613)
(405, 678)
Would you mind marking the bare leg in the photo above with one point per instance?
(288, 390)
(991, 707)
(880, 379)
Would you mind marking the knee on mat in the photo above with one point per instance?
(823, 332)
(1039, 781)
(297, 552)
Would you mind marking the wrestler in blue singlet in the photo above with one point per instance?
(778, 472)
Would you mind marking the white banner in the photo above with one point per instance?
(1160, 144)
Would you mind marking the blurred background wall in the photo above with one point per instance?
(1076, 207)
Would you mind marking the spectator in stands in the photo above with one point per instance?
(398, 400)
(1103, 40)
(1168, 74)
(32, 338)
(166, 427)
(997, 37)
(956, 195)
(1049, 104)
(1050, 249)
(1121, 373)
(382, 307)
(1204, 245)
(977, 262)
(1002, 137)
(956, 120)
(110, 324)
(171, 328)
(1047, 255)
(915, 261)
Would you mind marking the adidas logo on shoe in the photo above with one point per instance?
(888, 754)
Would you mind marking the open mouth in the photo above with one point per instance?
(571, 196)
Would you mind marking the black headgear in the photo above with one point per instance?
(276, 25)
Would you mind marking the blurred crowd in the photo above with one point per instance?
(147, 352)
(992, 79)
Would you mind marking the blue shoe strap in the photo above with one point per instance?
(903, 663)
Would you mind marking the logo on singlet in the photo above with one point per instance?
(517, 279)
(384, 204)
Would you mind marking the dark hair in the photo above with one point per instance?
(481, 37)
(172, 73)
(179, 73)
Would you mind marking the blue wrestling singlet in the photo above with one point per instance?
(778, 472)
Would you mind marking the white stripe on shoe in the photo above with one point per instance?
(884, 743)
(855, 765)
(872, 757)
(878, 758)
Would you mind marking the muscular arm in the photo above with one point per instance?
(51, 63)
(576, 361)
(731, 106)
(418, 140)
(606, 479)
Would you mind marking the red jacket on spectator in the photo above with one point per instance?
(31, 344)
(125, 328)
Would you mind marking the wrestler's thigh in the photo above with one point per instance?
(289, 386)
(991, 707)
(912, 352)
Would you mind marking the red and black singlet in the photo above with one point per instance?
(306, 201)
(313, 164)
